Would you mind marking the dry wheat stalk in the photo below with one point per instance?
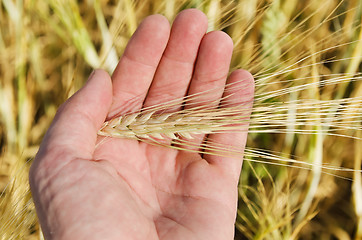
(197, 117)
(201, 117)
(147, 125)
(159, 125)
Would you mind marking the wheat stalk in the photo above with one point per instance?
(159, 125)
(172, 125)
(273, 117)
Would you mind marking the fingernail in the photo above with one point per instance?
(92, 73)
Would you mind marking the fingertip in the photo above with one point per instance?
(80, 117)
(148, 42)
(99, 90)
(158, 24)
(241, 76)
(219, 40)
(103, 75)
(188, 29)
(193, 13)
(217, 45)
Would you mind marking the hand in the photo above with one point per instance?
(126, 189)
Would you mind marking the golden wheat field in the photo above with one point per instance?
(301, 176)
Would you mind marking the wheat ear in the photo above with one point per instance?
(172, 125)
(159, 125)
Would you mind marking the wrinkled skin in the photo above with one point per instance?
(88, 188)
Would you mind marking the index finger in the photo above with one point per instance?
(136, 68)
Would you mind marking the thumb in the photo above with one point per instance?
(73, 131)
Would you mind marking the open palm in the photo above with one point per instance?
(87, 187)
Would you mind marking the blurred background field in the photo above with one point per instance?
(305, 57)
